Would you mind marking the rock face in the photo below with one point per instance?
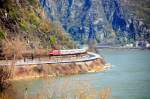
(136, 13)
(87, 20)
(114, 14)
(83, 19)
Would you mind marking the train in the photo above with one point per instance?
(67, 52)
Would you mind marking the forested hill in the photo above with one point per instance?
(118, 21)
(26, 21)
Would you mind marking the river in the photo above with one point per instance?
(128, 78)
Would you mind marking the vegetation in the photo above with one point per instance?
(27, 19)
(52, 40)
(24, 27)
(38, 69)
(2, 35)
(5, 74)
(13, 48)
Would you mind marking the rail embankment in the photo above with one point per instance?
(58, 66)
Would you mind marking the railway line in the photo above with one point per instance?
(69, 56)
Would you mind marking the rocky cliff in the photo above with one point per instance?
(99, 20)
(83, 19)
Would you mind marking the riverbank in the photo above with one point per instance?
(99, 47)
(121, 47)
(27, 72)
(55, 65)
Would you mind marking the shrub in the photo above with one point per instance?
(5, 74)
(24, 25)
(34, 19)
(45, 26)
(32, 2)
(52, 40)
(38, 69)
(2, 35)
(13, 13)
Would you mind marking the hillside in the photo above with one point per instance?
(27, 21)
(44, 23)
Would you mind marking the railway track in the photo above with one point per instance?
(87, 57)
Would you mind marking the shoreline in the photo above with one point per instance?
(44, 68)
(32, 77)
(121, 48)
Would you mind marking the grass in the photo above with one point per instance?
(13, 47)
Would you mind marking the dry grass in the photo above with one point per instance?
(5, 74)
(68, 89)
(41, 52)
(13, 48)
(4, 96)
(105, 93)
(16, 48)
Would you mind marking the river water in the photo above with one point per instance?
(128, 78)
